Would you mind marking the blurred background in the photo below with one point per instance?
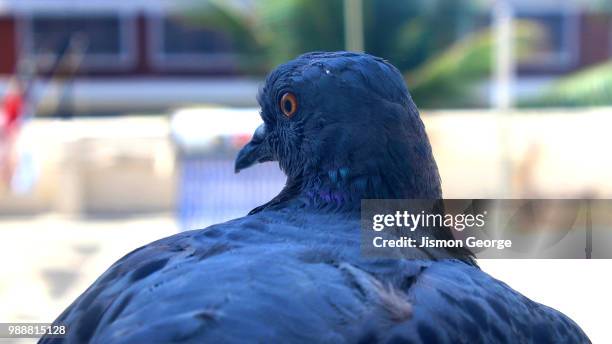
(120, 120)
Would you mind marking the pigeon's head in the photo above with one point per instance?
(343, 122)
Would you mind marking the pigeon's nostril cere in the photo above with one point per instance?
(260, 134)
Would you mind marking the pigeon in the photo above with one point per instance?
(343, 128)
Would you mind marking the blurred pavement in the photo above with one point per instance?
(49, 260)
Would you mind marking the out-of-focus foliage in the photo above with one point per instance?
(410, 33)
(407, 33)
(293, 27)
(444, 48)
(449, 78)
(269, 32)
(590, 87)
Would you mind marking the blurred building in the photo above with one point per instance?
(142, 55)
(135, 55)
(576, 35)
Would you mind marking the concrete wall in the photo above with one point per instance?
(126, 165)
(105, 166)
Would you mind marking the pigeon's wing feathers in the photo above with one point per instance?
(457, 303)
(225, 284)
(214, 283)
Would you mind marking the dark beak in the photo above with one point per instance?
(257, 150)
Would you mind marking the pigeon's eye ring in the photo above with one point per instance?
(288, 104)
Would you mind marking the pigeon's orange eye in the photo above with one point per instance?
(288, 104)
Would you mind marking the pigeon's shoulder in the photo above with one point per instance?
(143, 272)
(182, 278)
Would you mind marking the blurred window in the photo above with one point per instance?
(97, 41)
(558, 47)
(177, 43)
